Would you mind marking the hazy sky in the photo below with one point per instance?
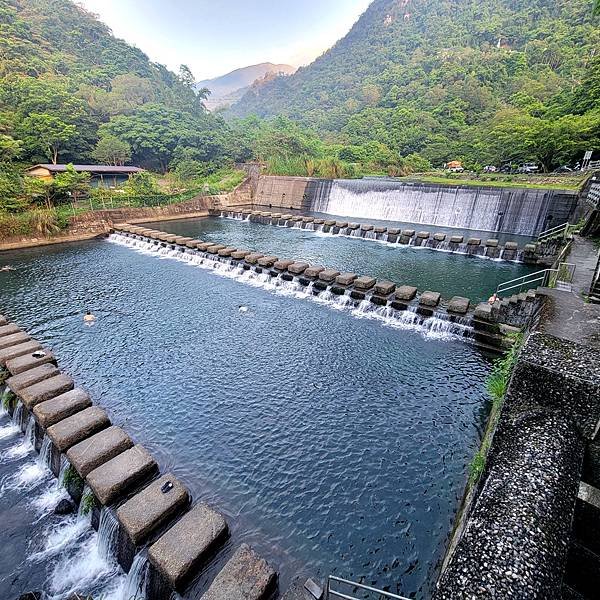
(214, 37)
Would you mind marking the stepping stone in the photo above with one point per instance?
(3, 320)
(341, 224)
(215, 248)
(408, 232)
(239, 254)
(405, 292)
(459, 305)
(424, 235)
(14, 339)
(245, 577)
(9, 329)
(353, 226)
(430, 298)
(18, 382)
(511, 246)
(380, 229)
(121, 474)
(29, 361)
(203, 247)
(282, 265)
(188, 545)
(253, 258)
(98, 449)
(77, 428)
(329, 223)
(45, 390)
(346, 278)
(19, 350)
(226, 252)
(328, 275)
(366, 227)
(313, 272)
(384, 288)
(141, 515)
(267, 261)
(193, 243)
(457, 239)
(298, 267)
(393, 231)
(364, 282)
(492, 243)
(473, 242)
(439, 237)
(50, 412)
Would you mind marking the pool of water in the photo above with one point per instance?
(450, 274)
(332, 444)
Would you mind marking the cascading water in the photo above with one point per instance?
(223, 267)
(518, 211)
(108, 531)
(45, 455)
(135, 584)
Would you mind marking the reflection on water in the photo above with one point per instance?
(333, 444)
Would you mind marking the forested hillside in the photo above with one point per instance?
(482, 80)
(70, 91)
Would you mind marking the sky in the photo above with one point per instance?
(214, 37)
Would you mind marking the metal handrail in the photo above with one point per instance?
(335, 594)
(544, 276)
(554, 232)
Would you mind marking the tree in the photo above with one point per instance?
(141, 184)
(110, 150)
(70, 183)
(47, 134)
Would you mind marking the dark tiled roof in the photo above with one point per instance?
(90, 168)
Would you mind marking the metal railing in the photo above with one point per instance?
(560, 231)
(373, 593)
(560, 278)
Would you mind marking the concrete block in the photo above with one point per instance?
(204, 246)
(353, 226)
(245, 577)
(240, 254)
(329, 223)
(474, 242)
(341, 224)
(9, 329)
(253, 258)
(457, 239)
(511, 246)
(14, 339)
(366, 227)
(384, 288)
(267, 261)
(313, 272)
(439, 237)
(50, 412)
(98, 449)
(193, 244)
(76, 428)
(121, 474)
(364, 282)
(346, 278)
(491, 243)
(308, 219)
(319, 221)
(3, 321)
(405, 292)
(530, 248)
(188, 545)
(214, 249)
(430, 298)
(152, 508)
(328, 275)
(45, 390)
(424, 235)
(298, 267)
(408, 233)
(380, 229)
(485, 312)
(282, 265)
(226, 252)
(30, 361)
(18, 382)
(459, 305)
(304, 589)
(393, 231)
(7, 354)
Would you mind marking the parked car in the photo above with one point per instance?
(563, 169)
(490, 169)
(528, 168)
(455, 166)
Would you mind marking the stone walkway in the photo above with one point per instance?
(566, 315)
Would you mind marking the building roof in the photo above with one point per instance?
(108, 169)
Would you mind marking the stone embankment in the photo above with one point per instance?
(482, 323)
(532, 253)
(153, 512)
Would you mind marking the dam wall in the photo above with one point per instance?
(520, 211)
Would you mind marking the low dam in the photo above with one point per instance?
(510, 210)
(253, 409)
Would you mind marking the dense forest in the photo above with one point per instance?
(485, 81)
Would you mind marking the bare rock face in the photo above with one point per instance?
(245, 577)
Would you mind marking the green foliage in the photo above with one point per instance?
(9, 399)
(141, 184)
(499, 378)
(484, 82)
(110, 150)
(72, 481)
(477, 466)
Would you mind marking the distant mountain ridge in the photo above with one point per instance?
(229, 88)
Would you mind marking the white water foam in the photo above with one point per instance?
(435, 327)
(27, 477)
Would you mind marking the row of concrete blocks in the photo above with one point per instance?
(380, 292)
(492, 247)
(123, 475)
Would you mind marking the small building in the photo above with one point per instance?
(104, 176)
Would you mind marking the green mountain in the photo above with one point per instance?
(451, 78)
(71, 91)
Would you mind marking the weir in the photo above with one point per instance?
(491, 248)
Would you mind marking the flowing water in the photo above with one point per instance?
(449, 274)
(333, 444)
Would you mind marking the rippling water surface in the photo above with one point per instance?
(333, 444)
(450, 274)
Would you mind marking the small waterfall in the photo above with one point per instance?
(30, 431)
(136, 581)
(366, 309)
(45, 457)
(108, 532)
(17, 416)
